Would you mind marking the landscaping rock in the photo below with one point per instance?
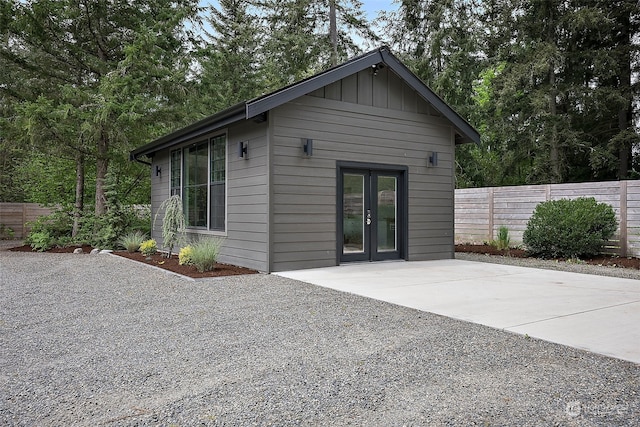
(78, 251)
(95, 251)
(106, 251)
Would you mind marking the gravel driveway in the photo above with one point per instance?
(101, 340)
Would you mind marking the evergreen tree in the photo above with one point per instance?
(230, 59)
(112, 70)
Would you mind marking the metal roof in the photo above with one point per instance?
(262, 104)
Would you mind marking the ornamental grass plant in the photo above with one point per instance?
(204, 253)
(132, 241)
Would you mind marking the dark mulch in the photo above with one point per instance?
(64, 250)
(608, 260)
(159, 260)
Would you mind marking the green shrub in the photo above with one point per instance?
(6, 232)
(50, 230)
(569, 228)
(205, 252)
(132, 240)
(185, 257)
(40, 241)
(149, 247)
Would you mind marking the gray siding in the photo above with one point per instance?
(304, 189)
(384, 90)
(246, 242)
(247, 198)
(159, 191)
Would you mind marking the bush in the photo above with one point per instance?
(132, 240)
(6, 232)
(40, 241)
(185, 257)
(149, 247)
(205, 253)
(50, 230)
(569, 228)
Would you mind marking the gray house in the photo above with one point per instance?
(353, 164)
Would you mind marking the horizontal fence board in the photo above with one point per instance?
(16, 216)
(513, 206)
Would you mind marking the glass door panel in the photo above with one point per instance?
(353, 213)
(387, 214)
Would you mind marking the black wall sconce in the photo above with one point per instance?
(307, 146)
(158, 170)
(242, 149)
(433, 159)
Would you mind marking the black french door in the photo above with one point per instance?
(372, 214)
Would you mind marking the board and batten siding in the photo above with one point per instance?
(247, 196)
(303, 191)
(480, 212)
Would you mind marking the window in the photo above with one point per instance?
(198, 173)
(176, 172)
(217, 183)
(195, 187)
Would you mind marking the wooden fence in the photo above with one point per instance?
(479, 212)
(15, 216)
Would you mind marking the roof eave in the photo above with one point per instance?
(209, 124)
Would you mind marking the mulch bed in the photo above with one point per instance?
(171, 264)
(608, 260)
(159, 260)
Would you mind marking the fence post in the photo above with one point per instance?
(490, 195)
(623, 219)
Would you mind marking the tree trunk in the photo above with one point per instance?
(79, 205)
(102, 164)
(333, 32)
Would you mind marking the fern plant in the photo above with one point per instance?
(173, 222)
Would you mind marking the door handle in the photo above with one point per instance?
(368, 216)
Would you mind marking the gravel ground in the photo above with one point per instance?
(575, 267)
(101, 340)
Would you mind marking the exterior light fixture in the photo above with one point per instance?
(433, 159)
(307, 146)
(242, 149)
(158, 170)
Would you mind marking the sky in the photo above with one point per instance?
(371, 7)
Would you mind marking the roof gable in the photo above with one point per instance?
(258, 106)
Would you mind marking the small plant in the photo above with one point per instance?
(569, 228)
(503, 241)
(205, 252)
(50, 230)
(149, 247)
(173, 222)
(132, 240)
(185, 257)
(6, 232)
(40, 241)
